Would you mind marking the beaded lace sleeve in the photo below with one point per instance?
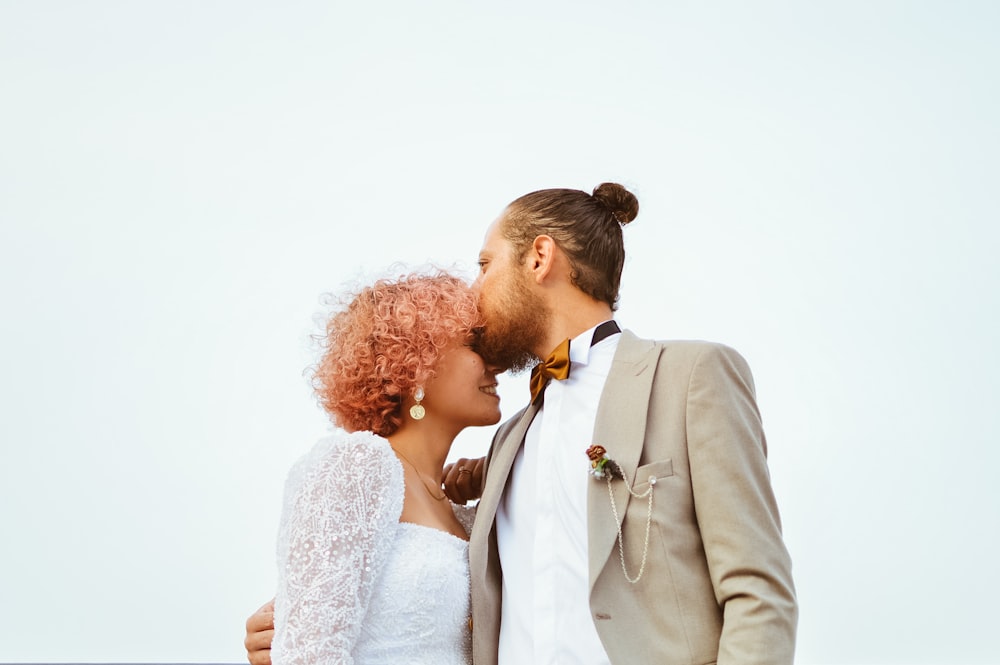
(465, 515)
(341, 509)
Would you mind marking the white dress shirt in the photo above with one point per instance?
(542, 522)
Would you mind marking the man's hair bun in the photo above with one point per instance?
(620, 202)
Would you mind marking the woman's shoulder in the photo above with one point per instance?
(348, 458)
(351, 446)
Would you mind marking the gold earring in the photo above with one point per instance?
(418, 412)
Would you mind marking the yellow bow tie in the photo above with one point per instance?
(556, 366)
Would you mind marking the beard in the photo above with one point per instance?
(515, 321)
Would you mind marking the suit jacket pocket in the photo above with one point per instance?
(659, 470)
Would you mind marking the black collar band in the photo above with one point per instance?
(604, 331)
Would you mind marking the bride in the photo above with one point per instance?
(372, 557)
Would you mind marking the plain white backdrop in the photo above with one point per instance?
(181, 181)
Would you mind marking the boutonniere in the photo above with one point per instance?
(598, 461)
(603, 467)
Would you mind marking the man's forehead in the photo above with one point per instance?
(493, 240)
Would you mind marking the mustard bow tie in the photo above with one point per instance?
(556, 366)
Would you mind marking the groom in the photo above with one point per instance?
(674, 554)
(698, 572)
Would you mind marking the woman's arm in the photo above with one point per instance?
(342, 505)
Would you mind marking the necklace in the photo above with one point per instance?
(422, 481)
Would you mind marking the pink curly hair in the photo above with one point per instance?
(384, 341)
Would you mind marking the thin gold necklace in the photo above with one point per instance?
(422, 480)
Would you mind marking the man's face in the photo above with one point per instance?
(516, 318)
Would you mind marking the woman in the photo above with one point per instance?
(372, 558)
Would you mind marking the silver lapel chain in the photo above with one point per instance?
(618, 521)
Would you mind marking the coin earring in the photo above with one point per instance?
(417, 412)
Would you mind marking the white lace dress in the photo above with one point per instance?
(356, 585)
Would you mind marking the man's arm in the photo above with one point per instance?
(260, 632)
(737, 513)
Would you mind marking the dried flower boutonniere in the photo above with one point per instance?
(603, 467)
(598, 460)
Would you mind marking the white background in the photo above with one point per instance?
(181, 181)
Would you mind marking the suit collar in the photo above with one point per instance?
(620, 427)
(500, 464)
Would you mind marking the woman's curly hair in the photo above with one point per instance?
(385, 340)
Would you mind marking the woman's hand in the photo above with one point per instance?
(463, 481)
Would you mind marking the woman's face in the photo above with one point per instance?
(463, 391)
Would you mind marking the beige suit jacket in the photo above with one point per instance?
(718, 584)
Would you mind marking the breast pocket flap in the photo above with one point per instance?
(658, 470)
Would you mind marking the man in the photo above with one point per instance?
(671, 550)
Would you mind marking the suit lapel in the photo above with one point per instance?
(620, 427)
(497, 471)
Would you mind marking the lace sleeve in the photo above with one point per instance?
(466, 515)
(342, 505)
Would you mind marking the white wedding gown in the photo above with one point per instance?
(356, 585)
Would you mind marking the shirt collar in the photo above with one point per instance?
(580, 346)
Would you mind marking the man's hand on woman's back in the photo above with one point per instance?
(260, 632)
